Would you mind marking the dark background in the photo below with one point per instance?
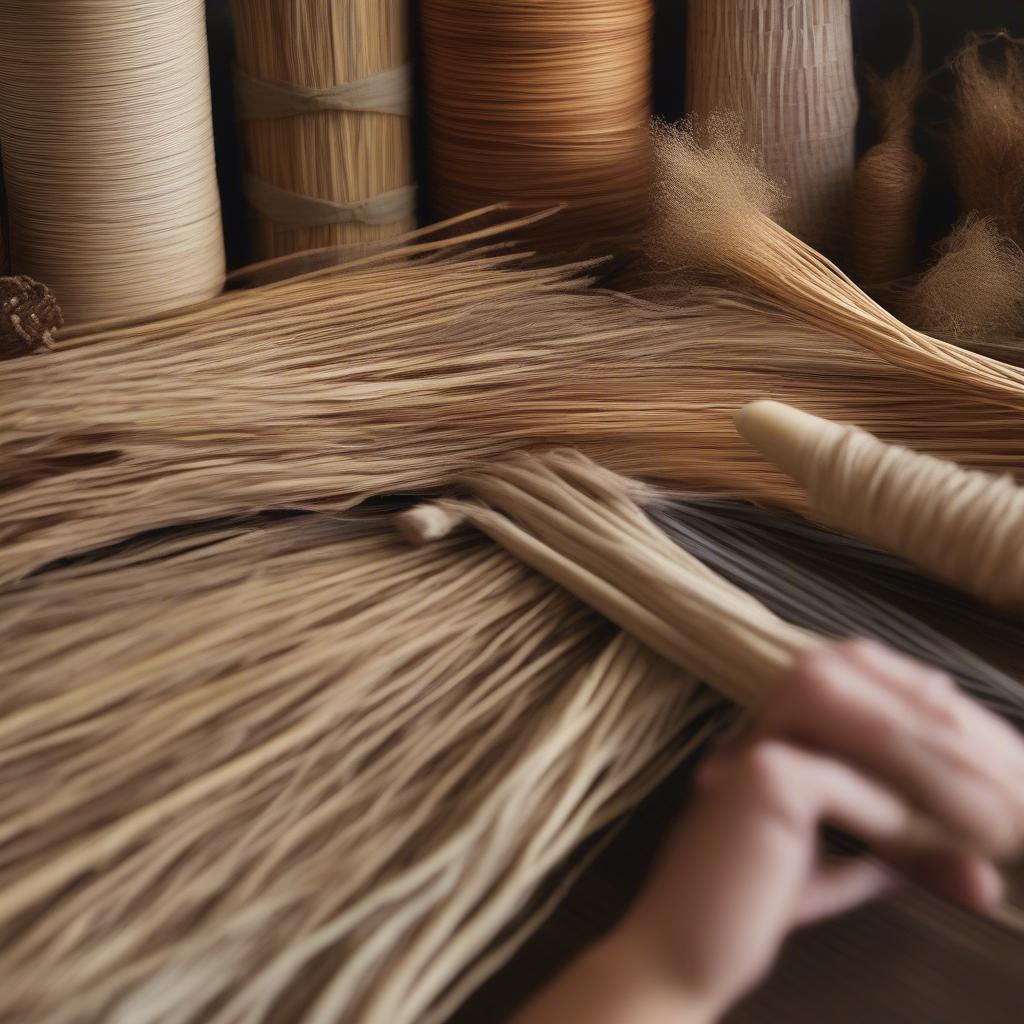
(881, 35)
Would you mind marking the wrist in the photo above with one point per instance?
(642, 968)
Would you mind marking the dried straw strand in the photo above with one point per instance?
(542, 104)
(108, 153)
(396, 373)
(328, 807)
(714, 214)
(786, 71)
(339, 155)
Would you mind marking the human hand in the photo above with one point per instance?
(862, 739)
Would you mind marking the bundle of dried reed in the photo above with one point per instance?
(394, 373)
(108, 153)
(324, 91)
(542, 104)
(302, 771)
(889, 178)
(714, 213)
(987, 135)
(975, 287)
(786, 71)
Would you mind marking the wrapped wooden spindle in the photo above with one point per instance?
(786, 70)
(323, 91)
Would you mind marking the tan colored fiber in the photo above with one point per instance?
(108, 153)
(302, 772)
(346, 156)
(975, 287)
(581, 526)
(786, 71)
(889, 178)
(398, 371)
(714, 214)
(29, 317)
(964, 528)
(987, 135)
(542, 104)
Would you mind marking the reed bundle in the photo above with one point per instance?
(542, 104)
(714, 214)
(963, 527)
(324, 91)
(987, 135)
(889, 178)
(301, 771)
(394, 373)
(108, 153)
(975, 287)
(786, 71)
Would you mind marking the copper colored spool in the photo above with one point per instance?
(541, 105)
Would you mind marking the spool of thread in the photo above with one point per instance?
(108, 153)
(787, 71)
(542, 104)
(323, 89)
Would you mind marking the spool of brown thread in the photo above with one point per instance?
(542, 104)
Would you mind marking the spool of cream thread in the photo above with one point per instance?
(107, 137)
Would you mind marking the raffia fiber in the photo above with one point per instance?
(396, 372)
(301, 771)
(975, 287)
(889, 178)
(987, 136)
(714, 214)
(786, 71)
(337, 155)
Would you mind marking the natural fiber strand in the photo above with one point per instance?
(987, 135)
(786, 71)
(29, 317)
(397, 372)
(975, 287)
(108, 153)
(345, 157)
(965, 528)
(889, 178)
(542, 104)
(301, 772)
(713, 214)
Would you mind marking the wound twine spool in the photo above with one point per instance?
(963, 527)
(323, 89)
(786, 69)
(108, 153)
(542, 104)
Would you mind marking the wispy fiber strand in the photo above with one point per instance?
(398, 371)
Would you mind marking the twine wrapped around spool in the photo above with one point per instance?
(108, 153)
(542, 104)
(786, 70)
(324, 92)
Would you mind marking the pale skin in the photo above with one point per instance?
(860, 738)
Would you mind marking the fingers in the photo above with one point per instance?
(971, 881)
(836, 888)
(907, 725)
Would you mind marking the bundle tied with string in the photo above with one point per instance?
(965, 528)
(889, 177)
(986, 138)
(542, 105)
(786, 71)
(323, 90)
(108, 154)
